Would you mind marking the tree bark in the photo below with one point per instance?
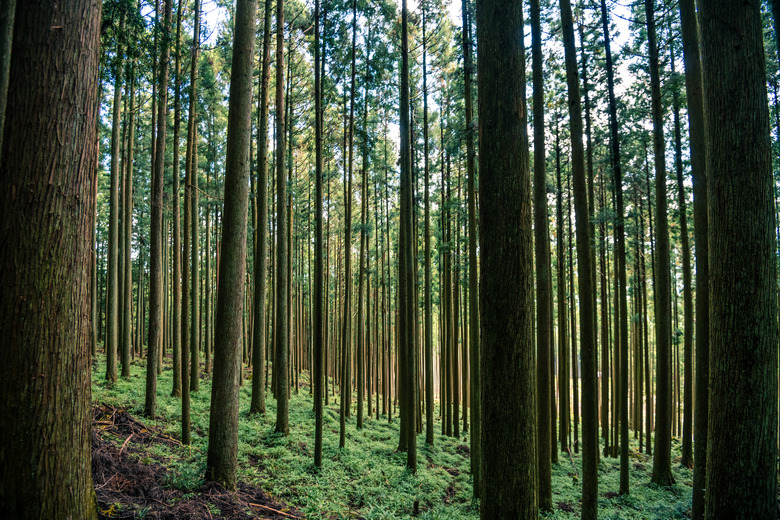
(47, 212)
(261, 245)
(742, 442)
(508, 443)
(156, 286)
(662, 465)
(222, 459)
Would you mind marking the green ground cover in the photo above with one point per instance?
(368, 478)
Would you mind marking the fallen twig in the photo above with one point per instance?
(274, 510)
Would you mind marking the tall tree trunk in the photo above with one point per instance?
(319, 279)
(694, 95)
(222, 459)
(541, 243)
(127, 220)
(192, 173)
(590, 451)
(662, 466)
(156, 286)
(474, 339)
(508, 444)
(177, 278)
(112, 320)
(281, 331)
(47, 171)
(427, 243)
(743, 416)
(620, 236)
(258, 341)
(406, 280)
(687, 437)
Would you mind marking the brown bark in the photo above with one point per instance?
(47, 209)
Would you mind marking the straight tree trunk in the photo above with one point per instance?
(508, 393)
(281, 326)
(427, 245)
(687, 437)
(47, 174)
(222, 459)
(127, 219)
(590, 438)
(112, 319)
(406, 281)
(543, 296)
(156, 286)
(620, 233)
(319, 282)
(694, 95)
(258, 340)
(7, 14)
(474, 339)
(662, 466)
(177, 278)
(742, 442)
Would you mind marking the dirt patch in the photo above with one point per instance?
(565, 506)
(128, 487)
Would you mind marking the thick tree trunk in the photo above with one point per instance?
(47, 212)
(742, 443)
(222, 457)
(508, 393)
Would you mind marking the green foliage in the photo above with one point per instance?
(368, 478)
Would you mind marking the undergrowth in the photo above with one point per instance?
(368, 478)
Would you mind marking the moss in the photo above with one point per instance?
(369, 477)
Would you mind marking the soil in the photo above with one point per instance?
(131, 484)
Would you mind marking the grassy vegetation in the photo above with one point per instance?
(368, 478)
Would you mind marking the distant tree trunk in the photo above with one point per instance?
(7, 13)
(177, 279)
(222, 458)
(127, 220)
(156, 286)
(192, 185)
(543, 296)
(112, 320)
(47, 213)
(508, 393)
(258, 341)
(693, 93)
(620, 232)
(742, 442)
(662, 466)
(427, 244)
(687, 437)
(563, 365)
(319, 279)
(474, 340)
(281, 327)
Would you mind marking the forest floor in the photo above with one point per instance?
(141, 470)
